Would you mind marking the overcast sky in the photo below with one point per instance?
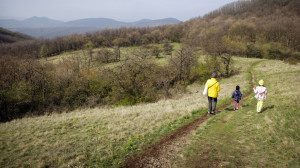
(122, 10)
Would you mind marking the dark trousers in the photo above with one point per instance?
(212, 103)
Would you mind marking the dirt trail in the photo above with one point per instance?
(162, 154)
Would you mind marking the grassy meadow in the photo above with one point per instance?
(125, 52)
(245, 138)
(106, 136)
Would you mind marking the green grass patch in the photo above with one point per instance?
(125, 52)
(245, 138)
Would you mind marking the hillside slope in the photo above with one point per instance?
(104, 137)
(7, 36)
(245, 138)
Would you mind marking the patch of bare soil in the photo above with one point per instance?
(163, 153)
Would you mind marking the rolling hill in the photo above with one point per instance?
(7, 36)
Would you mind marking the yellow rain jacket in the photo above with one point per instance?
(213, 89)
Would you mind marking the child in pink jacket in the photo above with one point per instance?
(260, 95)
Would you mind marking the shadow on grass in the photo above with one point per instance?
(228, 109)
(266, 108)
(245, 105)
(231, 109)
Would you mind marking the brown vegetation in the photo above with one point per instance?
(255, 28)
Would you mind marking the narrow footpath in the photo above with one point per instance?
(163, 153)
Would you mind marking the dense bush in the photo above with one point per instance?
(34, 87)
(105, 55)
(30, 85)
(201, 72)
(134, 81)
(252, 51)
(293, 59)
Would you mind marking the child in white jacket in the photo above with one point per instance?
(260, 94)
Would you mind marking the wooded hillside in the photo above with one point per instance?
(7, 36)
(255, 28)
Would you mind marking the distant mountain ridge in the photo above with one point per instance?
(98, 22)
(32, 22)
(49, 28)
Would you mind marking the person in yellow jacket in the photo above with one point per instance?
(212, 93)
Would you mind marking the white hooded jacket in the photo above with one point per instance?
(260, 93)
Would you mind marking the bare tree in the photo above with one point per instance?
(182, 62)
